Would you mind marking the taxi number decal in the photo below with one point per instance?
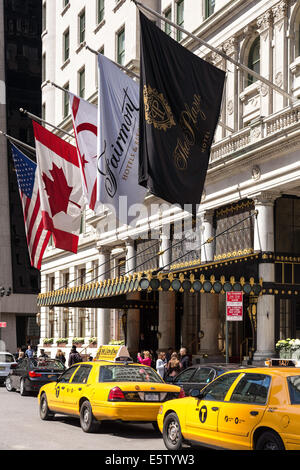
(203, 414)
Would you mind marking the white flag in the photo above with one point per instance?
(118, 135)
(84, 115)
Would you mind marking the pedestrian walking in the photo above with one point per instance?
(29, 352)
(60, 355)
(184, 358)
(161, 364)
(146, 360)
(43, 354)
(74, 356)
(173, 366)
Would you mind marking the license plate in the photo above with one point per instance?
(2, 368)
(151, 396)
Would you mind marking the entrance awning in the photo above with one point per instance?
(235, 274)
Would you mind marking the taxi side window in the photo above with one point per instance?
(68, 374)
(82, 374)
(252, 389)
(218, 389)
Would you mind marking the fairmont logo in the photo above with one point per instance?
(114, 155)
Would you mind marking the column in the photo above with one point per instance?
(281, 62)
(89, 312)
(209, 303)
(207, 231)
(265, 29)
(130, 257)
(71, 315)
(264, 242)
(167, 302)
(133, 315)
(103, 314)
(166, 325)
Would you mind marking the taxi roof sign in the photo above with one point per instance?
(110, 352)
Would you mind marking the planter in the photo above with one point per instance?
(61, 345)
(285, 354)
(296, 354)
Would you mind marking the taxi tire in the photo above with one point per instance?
(45, 413)
(172, 426)
(269, 440)
(87, 421)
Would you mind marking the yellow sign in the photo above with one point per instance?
(110, 352)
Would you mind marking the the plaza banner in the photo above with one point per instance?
(180, 99)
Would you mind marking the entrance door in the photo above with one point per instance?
(287, 318)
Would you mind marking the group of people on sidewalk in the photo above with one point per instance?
(168, 364)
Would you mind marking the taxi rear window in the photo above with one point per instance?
(126, 373)
(294, 389)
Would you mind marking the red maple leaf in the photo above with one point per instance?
(58, 191)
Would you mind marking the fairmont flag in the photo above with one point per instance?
(60, 187)
(37, 236)
(84, 115)
(180, 99)
(118, 141)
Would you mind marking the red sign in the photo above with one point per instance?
(3, 324)
(234, 306)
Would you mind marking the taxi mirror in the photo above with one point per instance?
(196, 393)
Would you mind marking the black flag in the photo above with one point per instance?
(180, 99)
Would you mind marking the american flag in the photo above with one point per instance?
(37, 236)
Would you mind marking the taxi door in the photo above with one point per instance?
(76, 387)
(56, 399)
(203, 414)
(244, 409)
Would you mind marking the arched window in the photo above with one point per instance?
(254, 60)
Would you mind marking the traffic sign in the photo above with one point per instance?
(234, 306)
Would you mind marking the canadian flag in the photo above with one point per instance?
(60, 187)
(84, 115)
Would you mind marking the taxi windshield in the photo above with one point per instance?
(126, 373)
(294, 389)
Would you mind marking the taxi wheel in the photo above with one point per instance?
(45, 413)
(87, 420)
(269, 440)
(172, 433)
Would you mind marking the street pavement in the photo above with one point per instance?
(22, 429)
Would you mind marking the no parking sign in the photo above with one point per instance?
(234, 306)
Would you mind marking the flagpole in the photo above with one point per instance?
(217, 51)
(13, 139)
(138, 77)
(37, 118)
(116, 63)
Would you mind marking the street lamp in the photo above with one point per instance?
(3, 291)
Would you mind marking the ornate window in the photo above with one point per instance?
(254, 60)
(209, 7)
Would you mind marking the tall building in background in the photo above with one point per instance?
(252, 185)
(20, 78)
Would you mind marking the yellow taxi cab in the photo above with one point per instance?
(111, 387)
(244, 409)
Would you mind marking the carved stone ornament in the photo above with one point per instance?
(230, 107)
(256, 173)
